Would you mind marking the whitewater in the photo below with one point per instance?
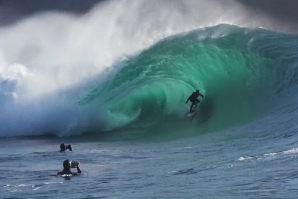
(113, 83)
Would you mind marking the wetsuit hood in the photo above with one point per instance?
(66, 165)
(62, 147)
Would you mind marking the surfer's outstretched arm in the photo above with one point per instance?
(187, 100)
(79, 170)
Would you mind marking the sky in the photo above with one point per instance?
(280, 9)
(13, 10)
(283, 11)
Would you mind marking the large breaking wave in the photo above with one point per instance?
(59, 89)
(242, 72)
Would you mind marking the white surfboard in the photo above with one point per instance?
(193, 110)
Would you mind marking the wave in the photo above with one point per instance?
(243, 73)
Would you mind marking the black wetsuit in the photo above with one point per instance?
(194, 99)
(69, 173)
(64, 147)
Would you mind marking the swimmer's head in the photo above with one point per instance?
(62, 147)
(66, 165)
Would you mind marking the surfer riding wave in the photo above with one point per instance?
(193, 98)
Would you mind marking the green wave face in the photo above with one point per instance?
(238, 70)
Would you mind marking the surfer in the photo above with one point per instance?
(194, 98)
(67, 165)
(64, 147)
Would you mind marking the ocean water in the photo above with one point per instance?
(115, 89)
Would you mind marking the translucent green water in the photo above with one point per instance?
(239, 71)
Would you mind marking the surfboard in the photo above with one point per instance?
(193, 110)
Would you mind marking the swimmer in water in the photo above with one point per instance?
(64, 147)
(67, 165)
